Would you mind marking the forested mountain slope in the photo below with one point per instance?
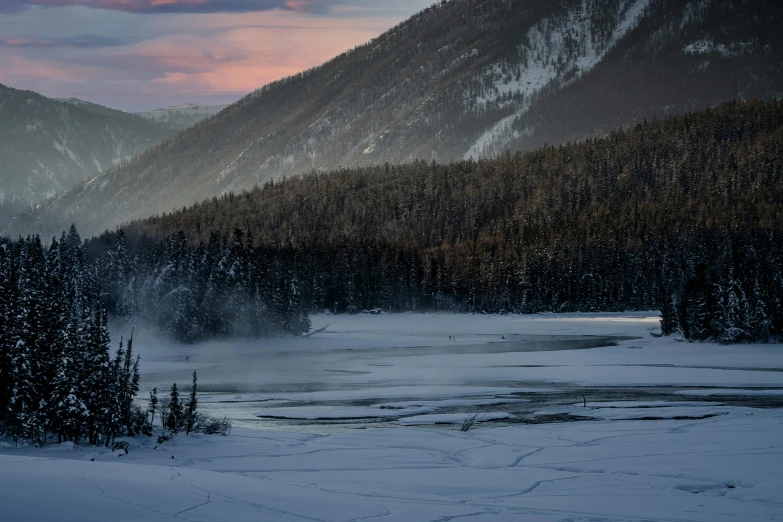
(466, 78)
(48, 146)
(620, 223)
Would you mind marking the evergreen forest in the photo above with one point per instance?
(682, 215)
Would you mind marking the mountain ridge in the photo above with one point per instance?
(180, 117)
(49, 145)
(461, 79)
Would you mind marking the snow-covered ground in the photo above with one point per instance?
(647, 429)
(722, 468)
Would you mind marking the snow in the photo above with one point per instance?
(62, 148)
(331, 412)
(548, 42)
(640, 411)
(727, 51)
(732, 391)
(396, 409)
(683, 459)
(721, 468)
(452, 418)
(452, 403)
(400, 392)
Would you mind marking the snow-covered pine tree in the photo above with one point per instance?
(296, 320)
(174, 419)
(760, 323)
(98, 377)
(129, 383)
(113, 419)
(153, 404)
(190, 413)
(668, 315)
(27, 419)
(69, 412)
(115, 270)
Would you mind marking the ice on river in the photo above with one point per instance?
(361, 362)
(452, 418)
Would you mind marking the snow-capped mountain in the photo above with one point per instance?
(181, 117)
(462, 79)
(48, 146)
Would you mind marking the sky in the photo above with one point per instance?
(138, 55)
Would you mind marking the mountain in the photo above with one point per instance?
(180, 117)
(48, 146)
(464, 78)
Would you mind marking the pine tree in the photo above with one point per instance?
(190, 415)
(69, 412)
(760, 323)
(174, 420)
(668, 315)
(113, 418)
(153, 404)
(98, 379)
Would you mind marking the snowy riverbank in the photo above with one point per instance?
(722, 468)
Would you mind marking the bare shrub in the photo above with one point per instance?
(468, 422)
(211, 426)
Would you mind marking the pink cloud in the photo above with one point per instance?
(85, 41)
(185, 57)
(171, 6)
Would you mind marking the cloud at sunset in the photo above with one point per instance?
(143, 54)
(177, 6)
(158, 6)
(85, 41)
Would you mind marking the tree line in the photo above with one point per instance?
(57, 375)
(734, 294)
(219, 289)
(633, 221)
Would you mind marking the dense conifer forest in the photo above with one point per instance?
(682, 215)
(220, 289)
(57, 376)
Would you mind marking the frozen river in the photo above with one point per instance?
(436, 370)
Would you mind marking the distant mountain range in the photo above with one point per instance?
(465, 78)
(180, 117)
(49, 145)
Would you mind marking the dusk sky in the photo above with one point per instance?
(143, 54)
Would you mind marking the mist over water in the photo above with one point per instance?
(334, 373)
